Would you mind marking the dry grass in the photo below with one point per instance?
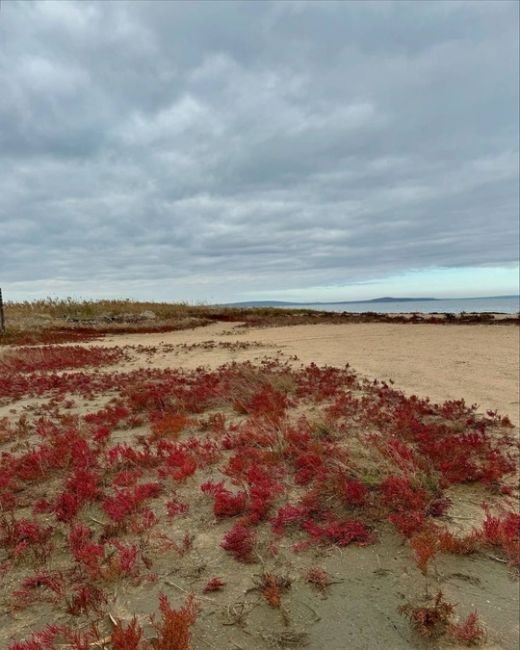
(90, 309)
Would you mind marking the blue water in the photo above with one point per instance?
(453, 305)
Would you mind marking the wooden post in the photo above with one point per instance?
(2, 319)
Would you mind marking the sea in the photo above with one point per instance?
(506, 305)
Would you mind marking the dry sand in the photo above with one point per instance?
(479, 363)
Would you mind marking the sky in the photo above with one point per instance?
(225, 151)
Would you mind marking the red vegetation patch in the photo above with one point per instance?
(126, 636)
(424, 545)
(430, 620)
(174, 628)
(239, 542)
(105, 500)
(318, 577)
(469, 632)
(50, 358)
(126, 501)
(214, 584)
(504, 533)
(272, 588)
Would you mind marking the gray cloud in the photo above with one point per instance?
(214, 149)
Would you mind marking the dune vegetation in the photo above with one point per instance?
(204, 495)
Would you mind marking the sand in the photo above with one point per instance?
(478, 363)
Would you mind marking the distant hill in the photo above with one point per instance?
(384, 299)
(281, 303)
(390, 299)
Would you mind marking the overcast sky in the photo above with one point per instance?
(211, 151)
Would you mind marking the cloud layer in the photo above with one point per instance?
(213, 150)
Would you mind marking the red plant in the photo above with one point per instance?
(287, 515)
(318, 577)
(43, 640)
(169, 425)
(239, 541)
(31, 592)
(128, 477)
(81, 488)
(47, 639)
(126, 557)
(272, 588)
(84, 551)
(267, 402)
(429, 620)
(178, 464)
(263, 488)
(52, 582)
(228, 504)
(86, 598)
(214, 584)
(399, 494)
(175, 508)
(25, 535)
(126, 501)
(112, 416)
(407, 523)
(353, 491)
(505, 534)
(174, 629)
(425, 545)
(308, 465)
(340, 532)
(469, 632)
(126, 637)
(450, 543)
(438, 507)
